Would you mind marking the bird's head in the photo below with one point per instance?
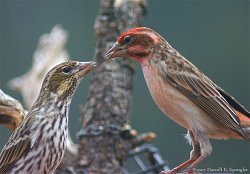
(137, 43)
(63, 79)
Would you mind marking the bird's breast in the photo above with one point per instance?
(48, 143)
(173, 103)
(165, 96)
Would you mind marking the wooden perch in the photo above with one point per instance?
(11, 111)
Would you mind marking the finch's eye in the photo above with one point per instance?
(127, 39)
(66, 69)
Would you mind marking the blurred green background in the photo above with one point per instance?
(214, 35)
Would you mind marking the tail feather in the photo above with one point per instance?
(241, 112)
(247, 131)
(244, 122)
(233, 102)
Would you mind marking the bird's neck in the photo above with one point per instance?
(52, 103)
(52, 114)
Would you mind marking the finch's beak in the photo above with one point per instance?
(84, 68)
(115, 51)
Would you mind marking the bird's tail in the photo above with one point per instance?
(245, 122)
(247, 131)
(242, 113)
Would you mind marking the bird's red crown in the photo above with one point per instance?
(139, 30)
(132, 32)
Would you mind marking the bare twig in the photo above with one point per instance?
(143, 138)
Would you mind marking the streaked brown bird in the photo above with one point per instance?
(38, 144)
(184, 93)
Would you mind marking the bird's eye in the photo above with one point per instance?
(127, 39)
(66, 69)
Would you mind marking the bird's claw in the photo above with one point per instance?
(191, 171)
(174, 171)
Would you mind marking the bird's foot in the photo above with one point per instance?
(175, 171)
(191, 171)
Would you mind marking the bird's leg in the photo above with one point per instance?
(194, 154)
(205, 149)
(182, 166)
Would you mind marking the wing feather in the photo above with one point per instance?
(17, 145)
(190, 81)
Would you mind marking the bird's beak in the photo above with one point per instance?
(84, 68)
(115, 51)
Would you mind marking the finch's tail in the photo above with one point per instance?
(245, 122)
(242, 113)
(247, 131)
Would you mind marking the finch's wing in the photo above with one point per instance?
(191, 82)
(17, 145)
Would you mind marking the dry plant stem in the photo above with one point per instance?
(143, 138)
(11, 111)
(50, 52)
(109, 100)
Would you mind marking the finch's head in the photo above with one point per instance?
(137, 43)
(63, 79)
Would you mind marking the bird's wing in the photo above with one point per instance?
(190, 81)
(17, 145)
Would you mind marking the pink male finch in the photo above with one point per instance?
(184, 93)
(37, 145)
